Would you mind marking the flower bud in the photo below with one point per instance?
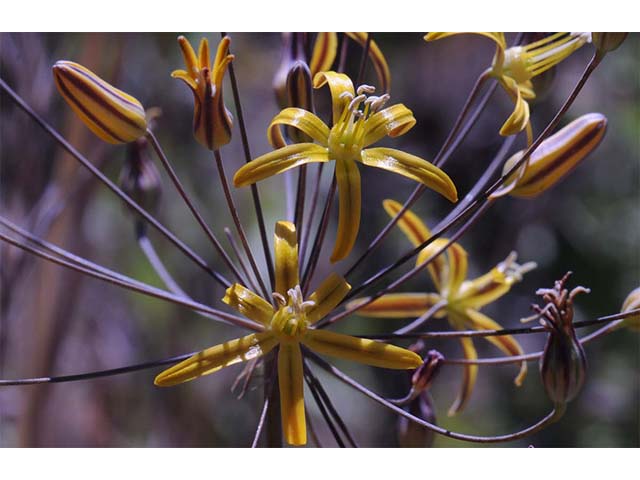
(412, 435)
(632, 302)
(556, 156)
(606, 42)
(563, 366)
(110, 113)
(425, 373)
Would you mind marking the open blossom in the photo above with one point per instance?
(289, 327)
(515, 67)
(212, 121)
(354, 129)
(460, 300)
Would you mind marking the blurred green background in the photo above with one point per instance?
(54, 322)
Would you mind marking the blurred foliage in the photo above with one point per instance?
(589, 224)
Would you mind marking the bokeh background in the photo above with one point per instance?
(55, 322)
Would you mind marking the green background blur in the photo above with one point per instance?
(55, 322)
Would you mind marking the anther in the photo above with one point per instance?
(279, 299)
(368, 89)
(356, 101)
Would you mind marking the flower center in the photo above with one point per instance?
(290, 321)
(524, 63)
(346, 139)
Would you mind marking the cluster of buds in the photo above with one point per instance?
(563, 363)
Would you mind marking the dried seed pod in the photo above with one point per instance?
(426, 373)
(606, 42)
(139, 177)
(111, 114)
(556, 157)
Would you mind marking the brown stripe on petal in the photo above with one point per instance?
(92, 118)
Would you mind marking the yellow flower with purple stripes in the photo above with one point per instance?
(289, 326)
(359, 120)
(212, 121)
(111, 114)
(460, 300)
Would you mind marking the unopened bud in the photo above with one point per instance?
(557, 156)
(606, 42)
(563, 367)
(111, 114)
(425, 373)
(411, 434)
(299, 95)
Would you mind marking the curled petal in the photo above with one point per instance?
(497, 37)
(186, 78)
(396, 305)
(327, 297)
(286, 257)
(339, 83)
(506, 343)
(300, 119)
(377, 58)
(415, 230)
(216, 358)
(249, 304)
(324, 52)
(519, 118)
(361, 350)
(111, 114)
(392, 121)
(438, 268)
(189, 55)
(279, 161)
(349, 198)
(469, 377)
(411, 167)
(290, 378)
(558, 155)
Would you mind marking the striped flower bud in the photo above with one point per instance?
(110, 113)
(606, 42)
(632, 302)
(557, 156)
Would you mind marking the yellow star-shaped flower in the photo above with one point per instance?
(461, 299)
(287, 327)
(354, 129)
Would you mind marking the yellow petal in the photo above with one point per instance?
(506, 343)
(497, 37)
(484, 290)
(189, 55)
(212, 122)
(361, 350)
(203, 54)
(327, 297)
(186, 78)
(457, 273)
(393, 121)
(279, 161)
(222, 60)
(111, 114)
(301, 119)
(377, 58)
(286, 257)
(396, 305)
(519, 118)
(415, 230)
(249, 304)
(216, 358)
(558, 155)
(411, 167)
(438, 268)
(632, 302)
(338, 84)
(349, 198)
(469, 377)
(324, 52)
(290, 377)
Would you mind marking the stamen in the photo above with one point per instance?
(513, 270)
(356, 102)
(368, 89)
(279, 299)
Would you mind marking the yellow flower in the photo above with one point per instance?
(111, 114)
(461, 299)
(515, 67)
(353, 130)
(212, 121)
(288, 327)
